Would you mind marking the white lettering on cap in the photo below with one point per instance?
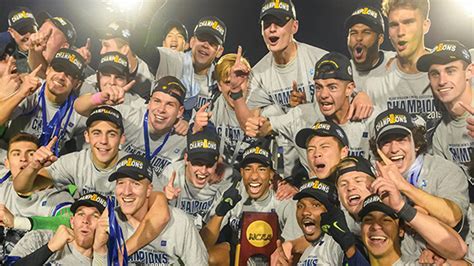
(212, 24)
(391, 119)
(203, 143)
(70, 57)
(445, 47)
(366, 11)
(23, 14)
(276, 5)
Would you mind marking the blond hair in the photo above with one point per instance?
(422, 5)
(224, 65)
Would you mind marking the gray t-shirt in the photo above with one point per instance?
(410, 92)
(27, 117)
(324, 251)
(196, 202)
(34, 240)
(133, 117)
(180, 65)
(48, 202)
(77, 168)
(360, 77)
(178, 244)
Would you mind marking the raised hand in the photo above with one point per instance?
(386, 188)
(102, 233)
(282, 254)
(238, 73)
(85, 51)
(38, 40)
(201, 118)
(469, 120)
(296, 97)
(171, 192)
(285, 190)
(390, 170)
(6, 217)
(44, 156)
(9, 81)
(112, 94)
(230, 198)
(253, 126)
(62, 236)
(181, 127)
(361, 107)
(30, 83)
(333, 223)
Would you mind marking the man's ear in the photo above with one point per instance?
(380, 39)
(426, 25)
(7, 163)
(123, 139)
(192, 41)
(125, 50)
(186, 46)
(295, 26)
(350, 88)
(86, 136)
(220, 50)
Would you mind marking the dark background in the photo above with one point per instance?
(321, 21)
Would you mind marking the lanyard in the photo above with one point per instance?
(236, 148)
(415, 170)
(5, 177)
(147, 140)
(116, 239)
(53, 128)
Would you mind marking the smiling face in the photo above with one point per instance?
(332, 95)
(204, 51)
(308, 215)
(450, 82)
(353, 188)
(104, 138)
(278, 34)
(407, 28)
(19, 155)
(363, 44)
(132, 196)
(83, 224)
(163, 112)
(175, 40)
(400, 149)
(257, 179)
(323, 154)
(59, 84)
(381, 235)
(108, 80)
(198, 173)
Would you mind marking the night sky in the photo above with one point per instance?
(321, 21)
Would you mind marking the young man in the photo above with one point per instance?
(365, 34)
(404, 86)
(175, 36)
(257, 173)
(117, 37)
(431, 182)
(21, 24)
(195, 67)
(149, 128)
(178, 243)
(188, 183)
(48, 112)
(66, 246)
(334, 85)
(55, 33)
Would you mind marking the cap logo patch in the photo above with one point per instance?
(322, 126)
(212, 24)
(23, 14)
(130, 162)
(391, 119)
(466, 54)
(94, 197)
(60, 20)
(126, 33)
(445, 47)
(114, 58)
(105, 111)
(114, 26)
(256, 150)
(70, 57)
(203, 143)
(315, 185)
(372, 199)
(349, 70)
(276, 5)
(366, 11)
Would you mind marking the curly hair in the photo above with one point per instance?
(419, 138)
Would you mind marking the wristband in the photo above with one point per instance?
(96, 99)
(22, 223)
(236, 95)
(407, 213)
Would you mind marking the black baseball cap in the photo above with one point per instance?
(257, 152)
(91, 199)
(333, 65)
(203, 146)
(63, 24)
(374, 203)
(70, 62)
(325, 192)
(179, 26)
(357, 164)
(172, 86)
(283, 10)
(133, 166)
(393, 122)
(366, 15)
(114, 63)
(443, 53)
(105, 113)
(324, 129)
(22, 20)
(7, 44)
(116, 29)
(211, 27)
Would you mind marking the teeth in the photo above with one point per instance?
(201, 176)
(127, 200)
(377, 238)
(396, 158)
(443, 90)
(353, 197)
(254, 184)
(58, 83)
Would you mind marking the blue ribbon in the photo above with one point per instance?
(53, 128)
(147, 140)
(415, 170)
(5, 177)
(116, 240)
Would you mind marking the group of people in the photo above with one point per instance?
(363, 160)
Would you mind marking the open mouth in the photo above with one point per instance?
(444, 90)
(358, 51)
(309, 227)
(159, 118)
(254, 187)
(320, 166)
(203, 53)
(326, 106)
(59, 82)
(274, 39)
(377, 240)
(402, 45)
(354, 200)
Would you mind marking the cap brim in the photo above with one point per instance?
(203, 158)
(208, 35)
(312, 193)
(392, 130)
(101, 117)
(66, 67)
(363, 19)
(424, 62)
(277, 13)
(126, 173)
(254, 159)
(112, 69)
(87, 203)
(377, 206)
(29, 26)
(42, 17)
(303, 136)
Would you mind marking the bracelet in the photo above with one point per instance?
(21, 223)
(96, 99)
(407, 212)
(236, 95)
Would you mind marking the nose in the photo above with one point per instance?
(394, 147)
(127, 189)
(273, 27)
(375, 226)
(24, 157)
(113, 80)
(324, 93)
(358, 37)
(442, 79)
(401, 30)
